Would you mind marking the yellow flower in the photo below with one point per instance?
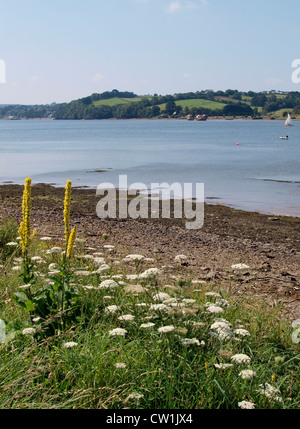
(25, 226)
(71, 242)
(67, 204)
(273, 377)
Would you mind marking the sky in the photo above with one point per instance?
(62, 50)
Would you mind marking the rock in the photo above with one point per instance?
(181, 258)
(240, 267)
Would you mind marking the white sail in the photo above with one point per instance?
(289, 121)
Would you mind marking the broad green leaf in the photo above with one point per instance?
(3, 338)
(20, 298)
(29, 306)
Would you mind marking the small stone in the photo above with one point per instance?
(240, 267)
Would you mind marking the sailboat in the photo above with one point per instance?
(289, 121)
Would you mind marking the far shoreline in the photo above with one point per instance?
(210, 118)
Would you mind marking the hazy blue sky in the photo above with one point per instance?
(59, 50)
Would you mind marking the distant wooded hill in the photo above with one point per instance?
(127, 105)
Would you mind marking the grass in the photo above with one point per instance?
(169, 353)
(221, 98)
(116, 101)
(8, 231)
(198, 103)
(279, 114)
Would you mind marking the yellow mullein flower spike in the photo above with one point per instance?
(25, 226)
(67, 204)
(71, 242)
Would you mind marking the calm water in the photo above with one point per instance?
(262, 173)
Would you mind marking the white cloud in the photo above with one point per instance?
(191, 5)
(186, 75)
(174, 6)
(97, 77)
(177, 5)
(34, 78)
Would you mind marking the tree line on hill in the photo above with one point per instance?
(19, 111)
(149, 106)
(236, 103)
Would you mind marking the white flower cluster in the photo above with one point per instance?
(133, 257)
(166, 329)
(151, 272)
(55, 249)
(246, 405)
(161, 296)
(118, 332)
(223, 365)
(192, 341)
(212, 308)
(247, 374)
(126, 317)
(120, 365)
(29, 331)
(241, 358)
(147, 325)
(160, 307)
(269, 392)
(70, 345)
(112, 308)
(221, 330)
(108, 284)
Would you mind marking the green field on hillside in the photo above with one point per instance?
(280, 113)
(220, 98)
(116, 100)
(198, 103)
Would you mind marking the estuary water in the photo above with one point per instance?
(242, 163)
